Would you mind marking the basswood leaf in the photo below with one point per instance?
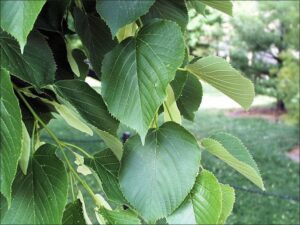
(157, 176)
(127, 31)
(169, 10)
(26, 149)
(71, 118)
(106, 165)
(89, 28)
(119, 13)
(11, 134)
(18, 17)
(224, 6)
(232, 151)
(73, 214)
(218, 73)
(36, 65)
(136, 73)
(190, 98)
(203, 205)
(112, 142)
(119, 217)
(178, 83)
(198, 6)
(88, 103)
(40, 196)
(171, 111)
(52, 15)
(228, 199)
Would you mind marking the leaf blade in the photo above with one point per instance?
(119, 13)
(231, 150)
(165, 166)
(18, 17)
(136, 65)
(11, 134)
(40, 196)
(218, 73)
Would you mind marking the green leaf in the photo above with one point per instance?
(203, 205)
(228, 199)
(171, 112)
(218, 73)
(26, 149)
(191, 96)
(127, 31)
(36, 65)
(72, 118)
(52, 15)
(136, 73)
(80, 58)
(106, 165)
(111, 142)
(169, 10)
(18, 17)
(178, 83)
(232, 151)
(157, 176)
(119, 13)
(40, 196)
(11, 134)
(119, 217)
(198, 6)
(88, 28)
(88, 103)
(73, 214)
(224, 6)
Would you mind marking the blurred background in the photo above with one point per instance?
(262, 41)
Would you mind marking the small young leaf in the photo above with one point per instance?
(106, 165)
(218, 73)
(127, 31)
(40, 196)
(232, 151)
(224, 6)
(228, 199)
(119, 13)
(73, 214)
(26, 149)
(203, 205)
(119, 217)
(138, 65)
(35, 66)
(157, 176)
(18, 17)
(171, 111)
(10, 134)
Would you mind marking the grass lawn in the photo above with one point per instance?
(267, 141)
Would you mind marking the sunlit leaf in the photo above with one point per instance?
(232, 151)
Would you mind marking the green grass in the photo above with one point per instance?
(268, 142)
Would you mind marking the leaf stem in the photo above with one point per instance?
(60, 145)
(182, 69)
(65, 144)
